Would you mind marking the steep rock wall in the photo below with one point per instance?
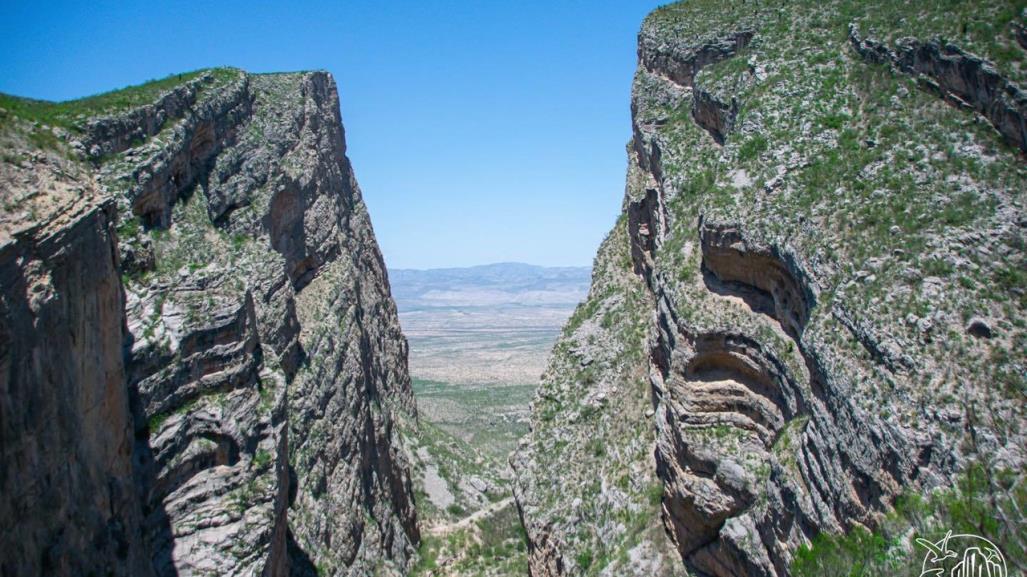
(816, 322)
(263, 363)
(69, 505)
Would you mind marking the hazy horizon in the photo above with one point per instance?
(491, 264)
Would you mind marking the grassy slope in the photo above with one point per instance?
(71, 113)
(48, 125)
(587, 477)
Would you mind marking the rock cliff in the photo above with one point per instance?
(813, 303)
(202, 362)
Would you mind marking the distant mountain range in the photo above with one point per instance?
(501, 284)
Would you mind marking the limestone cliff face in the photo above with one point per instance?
(69, 506)
(827, 218)
(256, 366)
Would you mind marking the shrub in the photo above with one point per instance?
(584, 559)
(983, 502)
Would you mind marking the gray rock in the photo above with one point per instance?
(961, 78)
(788, 379)
(249, 428)
(479, 484)
(68, 501)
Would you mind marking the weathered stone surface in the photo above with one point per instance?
(587, 486)
(297, 297)
(116, 133)
(679, 59)
(716, 117)
(829, 463)
(253, 366)
(68, 503)
(959, 77)
(681, 63)
(814, 314)
(159, 171)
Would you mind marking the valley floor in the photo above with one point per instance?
(459, 451)
(474, 371)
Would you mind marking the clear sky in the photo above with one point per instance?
(480, 131)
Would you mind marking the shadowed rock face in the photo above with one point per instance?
(242, 418)
(69, 505)
(763, 276)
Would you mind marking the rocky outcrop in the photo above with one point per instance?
(211, 428)
(825, 463)
(680, 60)
(714, 116)
(769, 279)
(254, 349)
(963, 79)
(69, 505)
(116, 133)
(790, 310)
(1020, 32)
(155, 176)
(681, 63)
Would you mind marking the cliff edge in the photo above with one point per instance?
(202, 362)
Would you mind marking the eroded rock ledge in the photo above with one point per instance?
(113, 134)
(681, 65)
(803, 458)
(961, 78)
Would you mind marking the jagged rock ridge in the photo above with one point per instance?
(220, 261)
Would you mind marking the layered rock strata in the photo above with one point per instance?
(816, 293)
(256, 366)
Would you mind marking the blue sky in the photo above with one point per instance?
(480, 131)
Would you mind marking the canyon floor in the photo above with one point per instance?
(479, 340)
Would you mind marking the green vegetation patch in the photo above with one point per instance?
(483, 416)
(496, 545)
(67, 114)
(983, 503)
(70, 113)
